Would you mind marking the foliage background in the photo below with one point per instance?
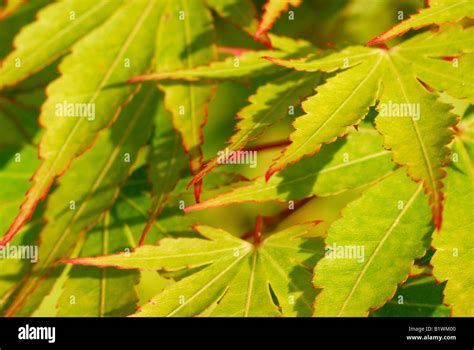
(327, 25)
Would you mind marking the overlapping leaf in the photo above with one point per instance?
(18, 162)
(418, 297)
(124, 225)
(416, 126)
(108, 292)
(85, 193)
(11, 25)
(190, 45)
(272, 11)
(103, 44)
(126, 41)
(371, 251)
(343, 165)
(454, 246)
(10, 7)
(439, 11)
(244, 66)
(166, 160)
(272, 102)
(241, 13)
(237, 278)
(57, 28)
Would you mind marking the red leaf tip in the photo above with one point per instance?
(438, 218)
(197, 191)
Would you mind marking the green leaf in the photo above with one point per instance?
(190, 45)
(132, 208)
(13, 266)
(238, 278)
(11, 25)
(166, 160)
(246, 65)
(340, 103)
(106, 292)
(416, 126)
(241, 13)
(85, 192)
(18, 163)
(418, 297)
(127, 35)
(452, 76)
(273, 10)
(420, 144)
(11, 6)
(19, 110)
(272, 102)
(439, 11)
(57, 28)
(370, 251)
(346, 164)
(452, 261)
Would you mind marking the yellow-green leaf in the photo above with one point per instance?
(438, 12)
(454, 246)
(126, 42)
(56, 29)
(238, 278)
(371, 249)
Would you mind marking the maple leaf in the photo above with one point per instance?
(104, 293)
(272, 102)
(392, 77)
(453, 244)
(237, 278)
(163, 172)
(272, 11)
(248, 64)
(57, 28)
(191, 22)
(10, 7)
(18, 155)
(439, 11)
(241, 13)
(84, 193)
(354, 161)
(66, 138)
(364, 261)
(419, 296)
(119, 178)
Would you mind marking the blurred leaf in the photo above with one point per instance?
(98, 293)
(245, 64)
(242, 13)
(439, 11)
(272, 11)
